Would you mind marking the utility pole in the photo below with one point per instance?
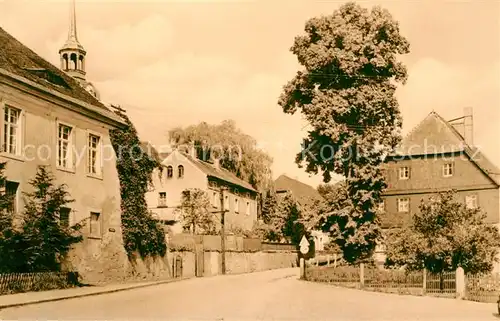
(223, 230)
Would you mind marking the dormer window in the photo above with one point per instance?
(448, 170)
(180, 170)
(170, 171)
(404, 172)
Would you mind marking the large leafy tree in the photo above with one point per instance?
(443, 236)
(44, 238)
(346, 91)
(326, 189)
(237, 151)
(195, 212)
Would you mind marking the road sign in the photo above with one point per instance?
(304, 245)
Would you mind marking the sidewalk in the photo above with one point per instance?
(20, 299)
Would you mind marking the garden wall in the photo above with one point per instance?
(243, 255)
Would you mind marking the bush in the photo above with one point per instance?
(42, 242)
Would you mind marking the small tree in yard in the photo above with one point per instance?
(284, 222)
(9, 239)
(445, 235)
(195, 212)
(44, 240)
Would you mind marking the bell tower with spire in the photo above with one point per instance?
(72, 52)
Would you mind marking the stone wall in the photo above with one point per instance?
(244, 262)
(104, 261)
(242, 255)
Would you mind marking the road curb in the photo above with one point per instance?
(12, 305)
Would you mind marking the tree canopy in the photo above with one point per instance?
(443, 236)
(283, 218)
(346, 91)
(195, 212)
(236, 151)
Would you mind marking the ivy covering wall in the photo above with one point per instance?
(141, 233)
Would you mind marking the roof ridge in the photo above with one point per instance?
(30, 59)
(220, 170)
(414, 128)
(453, 129)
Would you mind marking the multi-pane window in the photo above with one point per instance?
(170, 171)
(403, 205)
(471, 202)
(381, 206)
(64, 216)
(180, 168)
(94, 155)
(448, 169)
(95, 224)
(215, 199)
(162, 199)
(12, 131)
(236, 205)
(11, 192)
(404, 172)
(248, 208)
(64, 146)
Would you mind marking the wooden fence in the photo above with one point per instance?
(24, 282)
(483, 288)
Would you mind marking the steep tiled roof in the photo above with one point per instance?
(434, 135)
(305, 194)
(206, 167)
(220, 173)
(149, 150)
(18, 59)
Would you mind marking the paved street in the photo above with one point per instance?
(271, 295)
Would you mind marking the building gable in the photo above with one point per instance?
(305, 194)
(177, 158)
(432, 136)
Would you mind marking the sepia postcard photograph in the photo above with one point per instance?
(250, 160)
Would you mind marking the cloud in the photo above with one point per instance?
(173, 64)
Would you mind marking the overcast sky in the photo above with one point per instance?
(173, 63)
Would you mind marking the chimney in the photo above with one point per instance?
(468, 126)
